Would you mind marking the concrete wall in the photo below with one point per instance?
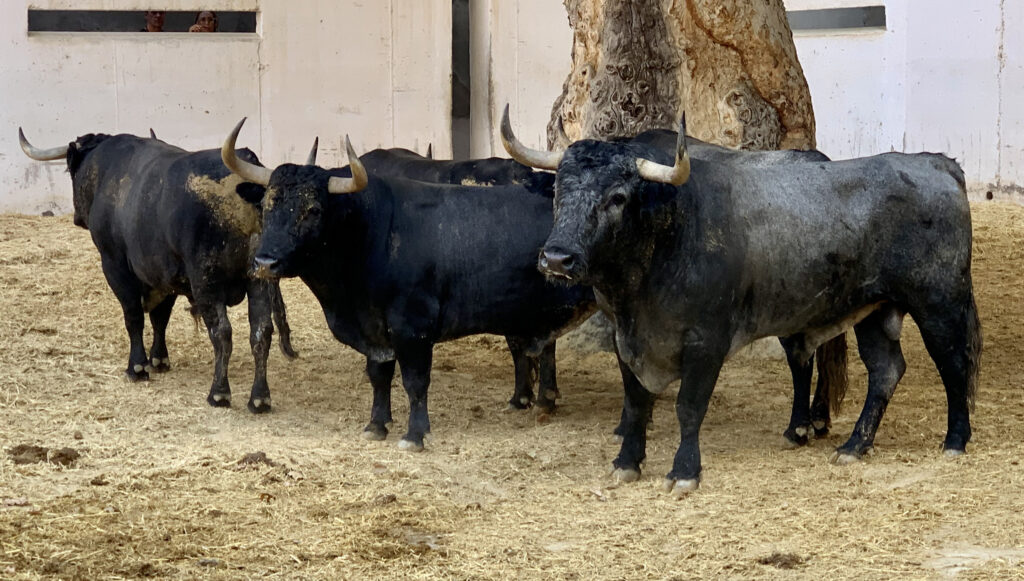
(379, 71)
(945, 75)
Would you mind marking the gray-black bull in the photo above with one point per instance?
(400, 265)
(169, 222)
(697, 259)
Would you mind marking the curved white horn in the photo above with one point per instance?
(249, 172)
(676, 174)
(311, 159)
(359, 179)
(525, 155)
(41, 154)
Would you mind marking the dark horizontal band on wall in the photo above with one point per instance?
(837, 18)
(131, 21)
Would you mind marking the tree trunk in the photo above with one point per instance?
(637, 64)
(730, 63)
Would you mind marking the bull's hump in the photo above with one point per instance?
(220, 197)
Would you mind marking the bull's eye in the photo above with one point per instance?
(616, 200)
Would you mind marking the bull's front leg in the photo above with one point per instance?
(414, 358)
(700, 365)
(547, 388)
(159, 317)
(380, 374)
(637, 407)
(261, 331)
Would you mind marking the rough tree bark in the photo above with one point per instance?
(730, 63)
(637, 64)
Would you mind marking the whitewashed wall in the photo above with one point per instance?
(933, 80)
(378, 70)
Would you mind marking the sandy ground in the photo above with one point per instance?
(161, 489)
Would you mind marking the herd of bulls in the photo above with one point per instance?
(692, 250)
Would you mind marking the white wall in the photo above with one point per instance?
(932, 80)
(379, 71)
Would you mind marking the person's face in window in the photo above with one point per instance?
(207, 21)
(155, 20)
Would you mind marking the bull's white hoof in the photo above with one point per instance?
(680, 488)
(625, 475)
(408, 446)
(138, 367)
(951, 453)
(551, 394)
(819, 425)
(617, 438)
(372, 436)
(221, 397)
(801, 431)
(843, 459)
(155, 361)
(788, 444)
(524, 401)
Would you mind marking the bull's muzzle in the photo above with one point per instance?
(558, 263)
(266, 267)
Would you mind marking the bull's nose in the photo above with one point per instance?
(557, 262)
(264, 266)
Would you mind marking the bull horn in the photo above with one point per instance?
(152, 134)
(248, 172)
(676, 174)
(41, 154)
(430, 151)
(524, 155)
(311, 160)
(358, 181)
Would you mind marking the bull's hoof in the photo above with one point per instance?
(680, 487)
(617, 438)
(518, 404)
(794, 438)
(843, 459)
(821, 428)
(625, 475)
(137, 372)
(259, 405)
(219, 400)
(374, 432)
(410, 446)
(160, 364)
(953, 452)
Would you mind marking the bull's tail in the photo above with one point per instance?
(974, 346)
(284, 332)
(832, 376)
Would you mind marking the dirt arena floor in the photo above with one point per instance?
(165, 486)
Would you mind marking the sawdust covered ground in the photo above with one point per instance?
(161, 489)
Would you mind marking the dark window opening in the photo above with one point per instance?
(460, 79)
(132, 21)
(837, 18)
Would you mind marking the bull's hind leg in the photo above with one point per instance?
(381, 374)
(526, 374)
(802, 369)
(128, 291)
(952, 335)
(547, 388)
(284, 331)
(219, 328)
(878, 341)
(414, 358)
(159, 318)
(261, 331)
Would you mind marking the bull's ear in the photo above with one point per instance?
(252, 193)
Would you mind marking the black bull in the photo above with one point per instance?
(832, 380)
(400, 265)
(697, 260)
(168, 222)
